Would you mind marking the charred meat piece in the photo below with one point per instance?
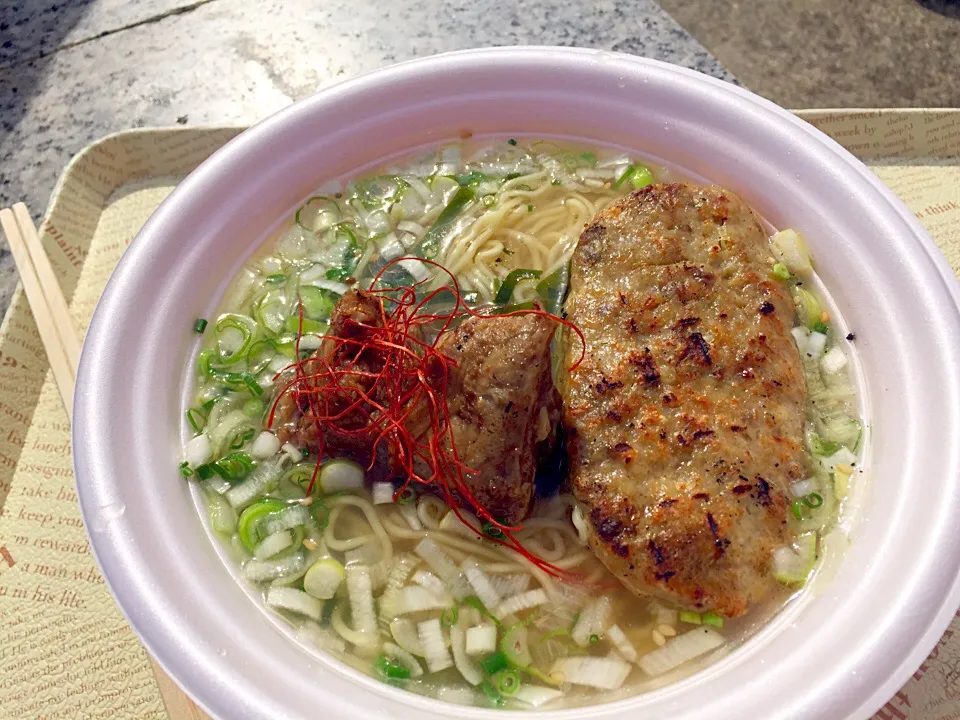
(503, 406)
(354, 318)
(685, 420)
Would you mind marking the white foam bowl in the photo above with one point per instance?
(839, 652)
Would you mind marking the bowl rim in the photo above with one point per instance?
(93, 486)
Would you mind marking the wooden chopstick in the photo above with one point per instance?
(60, 339)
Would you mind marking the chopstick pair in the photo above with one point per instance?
(61, 341)
(57, 330)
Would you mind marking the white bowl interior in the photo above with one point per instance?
(839, 652)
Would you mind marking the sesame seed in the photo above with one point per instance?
(659, 639)
(667, 630)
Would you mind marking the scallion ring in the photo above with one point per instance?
(491, 530)
(450, 616)
(199, 326)
(507, 682)
(813, 500)
(796, 507)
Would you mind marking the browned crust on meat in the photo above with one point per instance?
(501, 385)
(686, 416)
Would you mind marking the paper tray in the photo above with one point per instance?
(65, 649)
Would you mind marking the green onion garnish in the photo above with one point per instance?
(390, 668)
(488, 528)
(253, 407)
(323, 514)
(233, 467)
(475, 602)
(820, 326)
(275, 279)
(470, 178)
(494, 663)
(639, 177)
(496, 699)
(712, 618)
(507, 682)
(823, 447)
(197, 419)
(553, 289)
(328, 607)
(796, 507)
(530, 208)
(407, 497)
(594, 639)
(813, 500)
(589, 157)
(185, 469)
(429, 246)
(689, 617)
(780, 272)
(241, 438)
(505, 292)
(294, 325)
(248, 527)
(450, 616)
(200, 325)
(512, 141)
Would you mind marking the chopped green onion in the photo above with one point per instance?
(642, 177)
(208, 405)
(821, 447)
(553, 289)
(248, 527)
(493, 694)
(494, 663)
(692, 618)
(712, 618)
(200, 325)
(275, 279)
(780, 272)
(390, 668)
(516, 647)
(259, 355)
(185, 469)
(506, 289)
(512, 141)
(318, 213)
(813, 500)
(238, 323)
(808, 307)
(507, 682)
(639, 177)
(197, 419)
(820, 326)
(589, 157)
(450, 616)
(555, 182)
(236, 380)
(429, 246)
(470, 178)
(322, 513)
(232, 467)
(253, 407)
(529, 208)
(378, 191)
(594, 639)
(309, 326)
(407, 496)
(203, 361)
(317, 302)
(242, 437)
(475, 602)
(488, 528)
(796, 507)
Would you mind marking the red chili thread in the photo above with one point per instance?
(411, 377)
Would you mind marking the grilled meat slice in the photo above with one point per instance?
(503, 405)
(685, 420)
